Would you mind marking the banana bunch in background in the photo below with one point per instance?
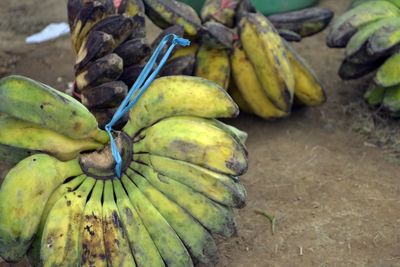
(63, 205)
(109, 43)
(370, 33)
(244, 53)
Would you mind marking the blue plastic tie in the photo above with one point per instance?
(141, 84)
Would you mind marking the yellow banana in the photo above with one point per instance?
(118, 252)
(238, 97)
(198, 143)
(185, 51)
(213, 64)
(168, 243)
(26, 135)
(197, 240)
(250, 87)
(143, 248)
(23, 197)
(218, 187)
(47, 107)
(179, 95)
(215, 217)
(61, 239)
(266, 51)
(69, 186)
(308, 89)
(92, 237)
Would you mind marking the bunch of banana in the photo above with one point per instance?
(370, 33)
(261, 71)
(109, 41)
(64, 206)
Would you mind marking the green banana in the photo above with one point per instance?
(179, 95)
(389, 73)
(384, 41)
(68, 186)
(143, 248)
(305, 22)
(391, 99)
(355, 3)
(348, 24)
(165, 13)
(374, 95)
(61, 238)
(47, 107)
(218, 187)
(198, 143)
(215, 217)
(23, 197)
(197, 240)
(25, 135)
(168, 243)
(356, 49)
(92, 236)
(117, 248)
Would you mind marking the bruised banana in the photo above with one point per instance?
(107, 95)
(289, 35)
(61, 236)
(116, 244)
(220, 11)
(197, 239)
(250, 87)
(89, 15)
(169, 245)
(47, 107)
(348, 24)
(213, 64)
(143, 248)
(216, 35)
(308, 89)
(21, 210)
(178, 96)
(102, 70)
(197, 143)
(73, 7)
(165, 13)
(131, 8)
(68, 186)
(305, 22)
(96, 45)
(266, 51)
(218, 187)
(131, 73)
(133, 51)
(25, 135)
(183, 65)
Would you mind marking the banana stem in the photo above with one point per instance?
(100, 136)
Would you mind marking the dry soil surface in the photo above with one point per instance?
(334, 194)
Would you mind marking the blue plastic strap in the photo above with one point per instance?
(139, 87)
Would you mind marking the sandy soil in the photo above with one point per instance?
(334, 194)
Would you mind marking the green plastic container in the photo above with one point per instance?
(267, 7)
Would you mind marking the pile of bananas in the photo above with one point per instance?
(370, 32)
(63, 206)
(111, 47)
(243, 52)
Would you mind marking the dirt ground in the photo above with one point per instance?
(335, 193)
